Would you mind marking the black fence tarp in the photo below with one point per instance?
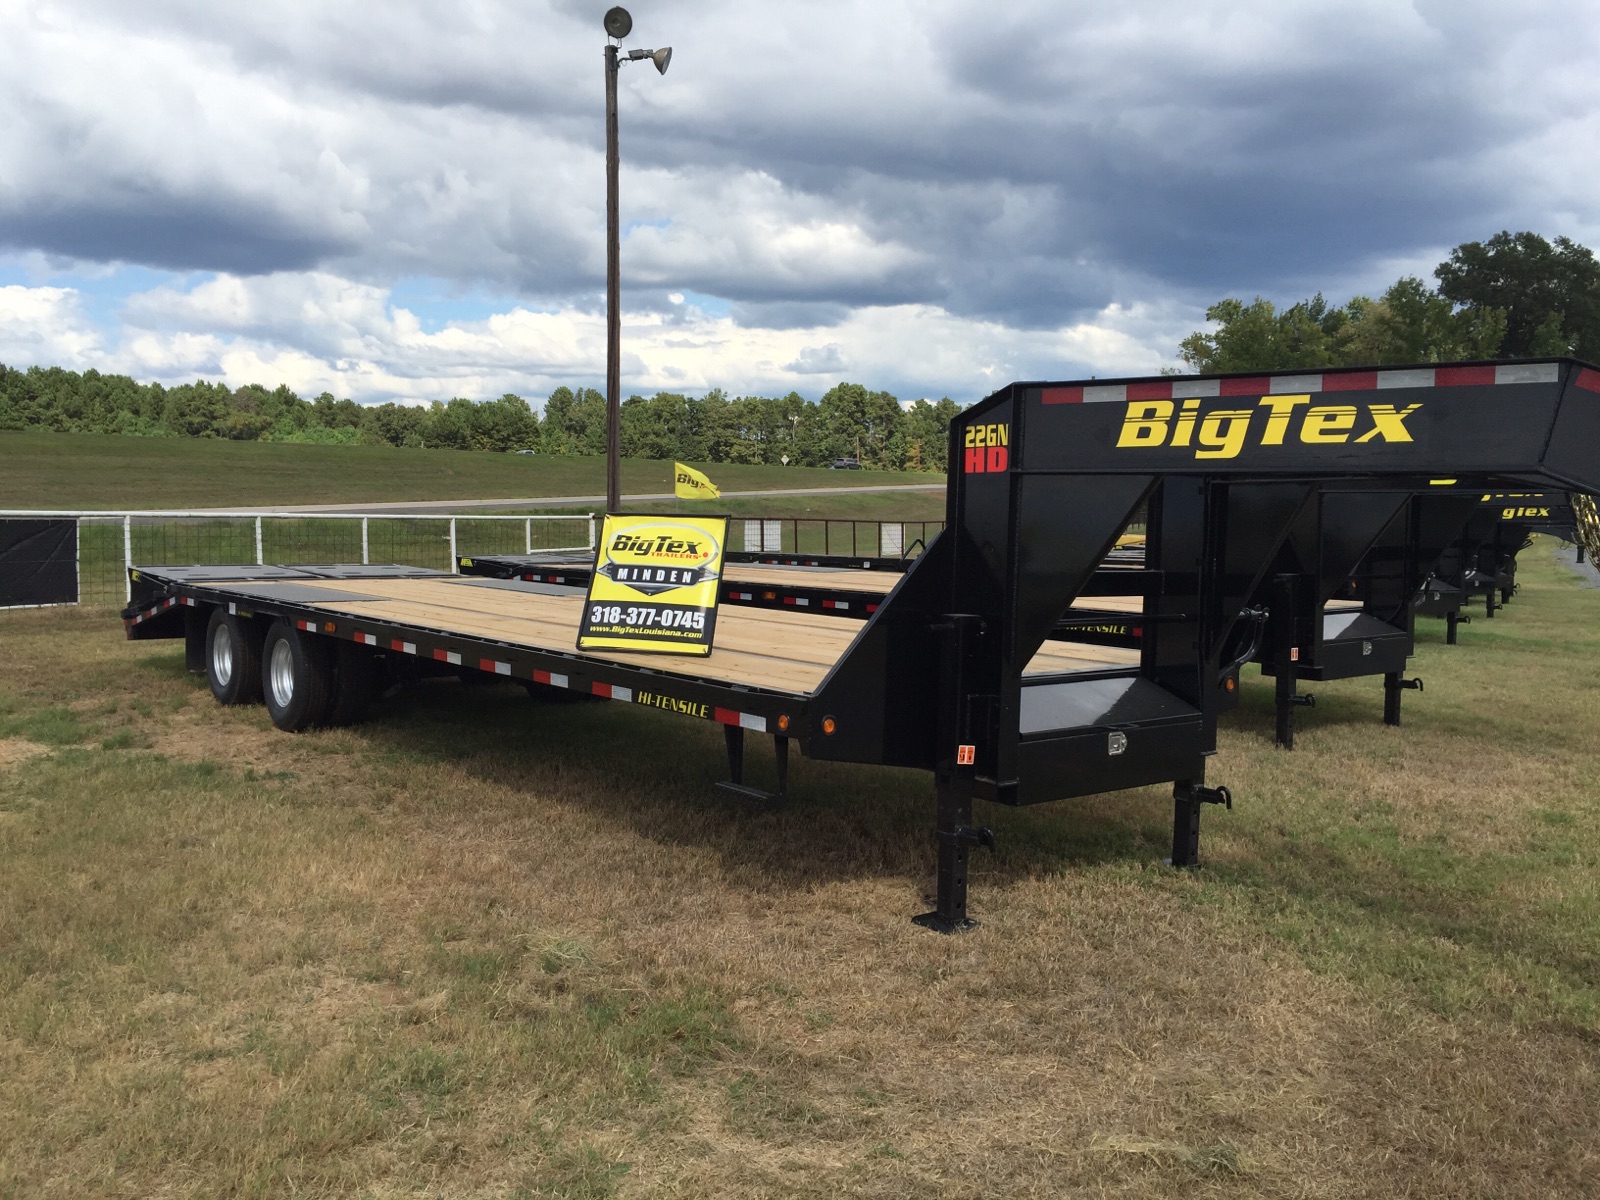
(38, 561)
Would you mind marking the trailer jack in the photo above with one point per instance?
(735, 786)
(1187, 798)
(1286, 702)
(1451, 621)
(1393, 684)
(957, 838)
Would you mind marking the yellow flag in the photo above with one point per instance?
(689, 484)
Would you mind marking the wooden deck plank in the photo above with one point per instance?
(1116, 604)
(838, 578)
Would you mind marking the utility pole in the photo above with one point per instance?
(618, 25)
(613, 295)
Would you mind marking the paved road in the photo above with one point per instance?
(595, 502)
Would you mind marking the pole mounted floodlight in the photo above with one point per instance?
(618, 24)
(660, 57)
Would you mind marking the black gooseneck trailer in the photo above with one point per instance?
(957, 672)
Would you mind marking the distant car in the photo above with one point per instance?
(844, 464)
(527, 452)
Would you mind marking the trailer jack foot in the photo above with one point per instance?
(933, 921)
(1186, 801)
(736, 788)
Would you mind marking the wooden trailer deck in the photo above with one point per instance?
(768, 648)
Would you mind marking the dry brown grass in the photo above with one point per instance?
(480, 947)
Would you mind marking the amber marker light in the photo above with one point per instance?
(783, 722)
(1229, 684)
(328, 627)
(829, 724)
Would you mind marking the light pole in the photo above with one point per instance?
(618, 25)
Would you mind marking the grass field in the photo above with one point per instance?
(102, 471)
(481, 947)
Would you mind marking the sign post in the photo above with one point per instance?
(655, 585)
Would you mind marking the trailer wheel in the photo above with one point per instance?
(296, 677)
(232, 658)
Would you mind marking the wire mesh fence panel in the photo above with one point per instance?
(295, 542)
(102, 579)
(852, 538)
(410, 541)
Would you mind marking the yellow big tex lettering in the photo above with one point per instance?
(1224, 432)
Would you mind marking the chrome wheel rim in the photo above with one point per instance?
(222, 657)
(280, 673)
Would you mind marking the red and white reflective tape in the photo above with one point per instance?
(447, 656)
(494, 666)
(366, 639)
(308, 626)
(551, 678)
(401, 647)
(743, 720)
(872, 608)
(797, 601)
(190, 601)
(741, 596)
(1329, 381)
(835, 604)
(611, 691)
(140, 618)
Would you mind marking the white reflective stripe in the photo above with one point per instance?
(1406, 379)
(451, 657)
(366, 639)
(800, 602)
(1286, 384)
(558, 680)
(1187, 389)
(621, 693)
(1529, 373)
(1106, 393)
(233, 609)
(501, 668)
(409, 647)
(749, 721)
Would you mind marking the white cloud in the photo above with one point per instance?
(46, 326)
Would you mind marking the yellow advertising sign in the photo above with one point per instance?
(655, 585)
(689, 484)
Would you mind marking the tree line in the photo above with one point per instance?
(850, 421)
(1515, 295)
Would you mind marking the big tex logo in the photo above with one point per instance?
(1224, 432)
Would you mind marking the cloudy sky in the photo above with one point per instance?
(406, 200)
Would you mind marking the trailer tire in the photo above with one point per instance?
(355, 683)
(296, 677)
(232, 658)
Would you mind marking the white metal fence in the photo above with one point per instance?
(110, 542)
